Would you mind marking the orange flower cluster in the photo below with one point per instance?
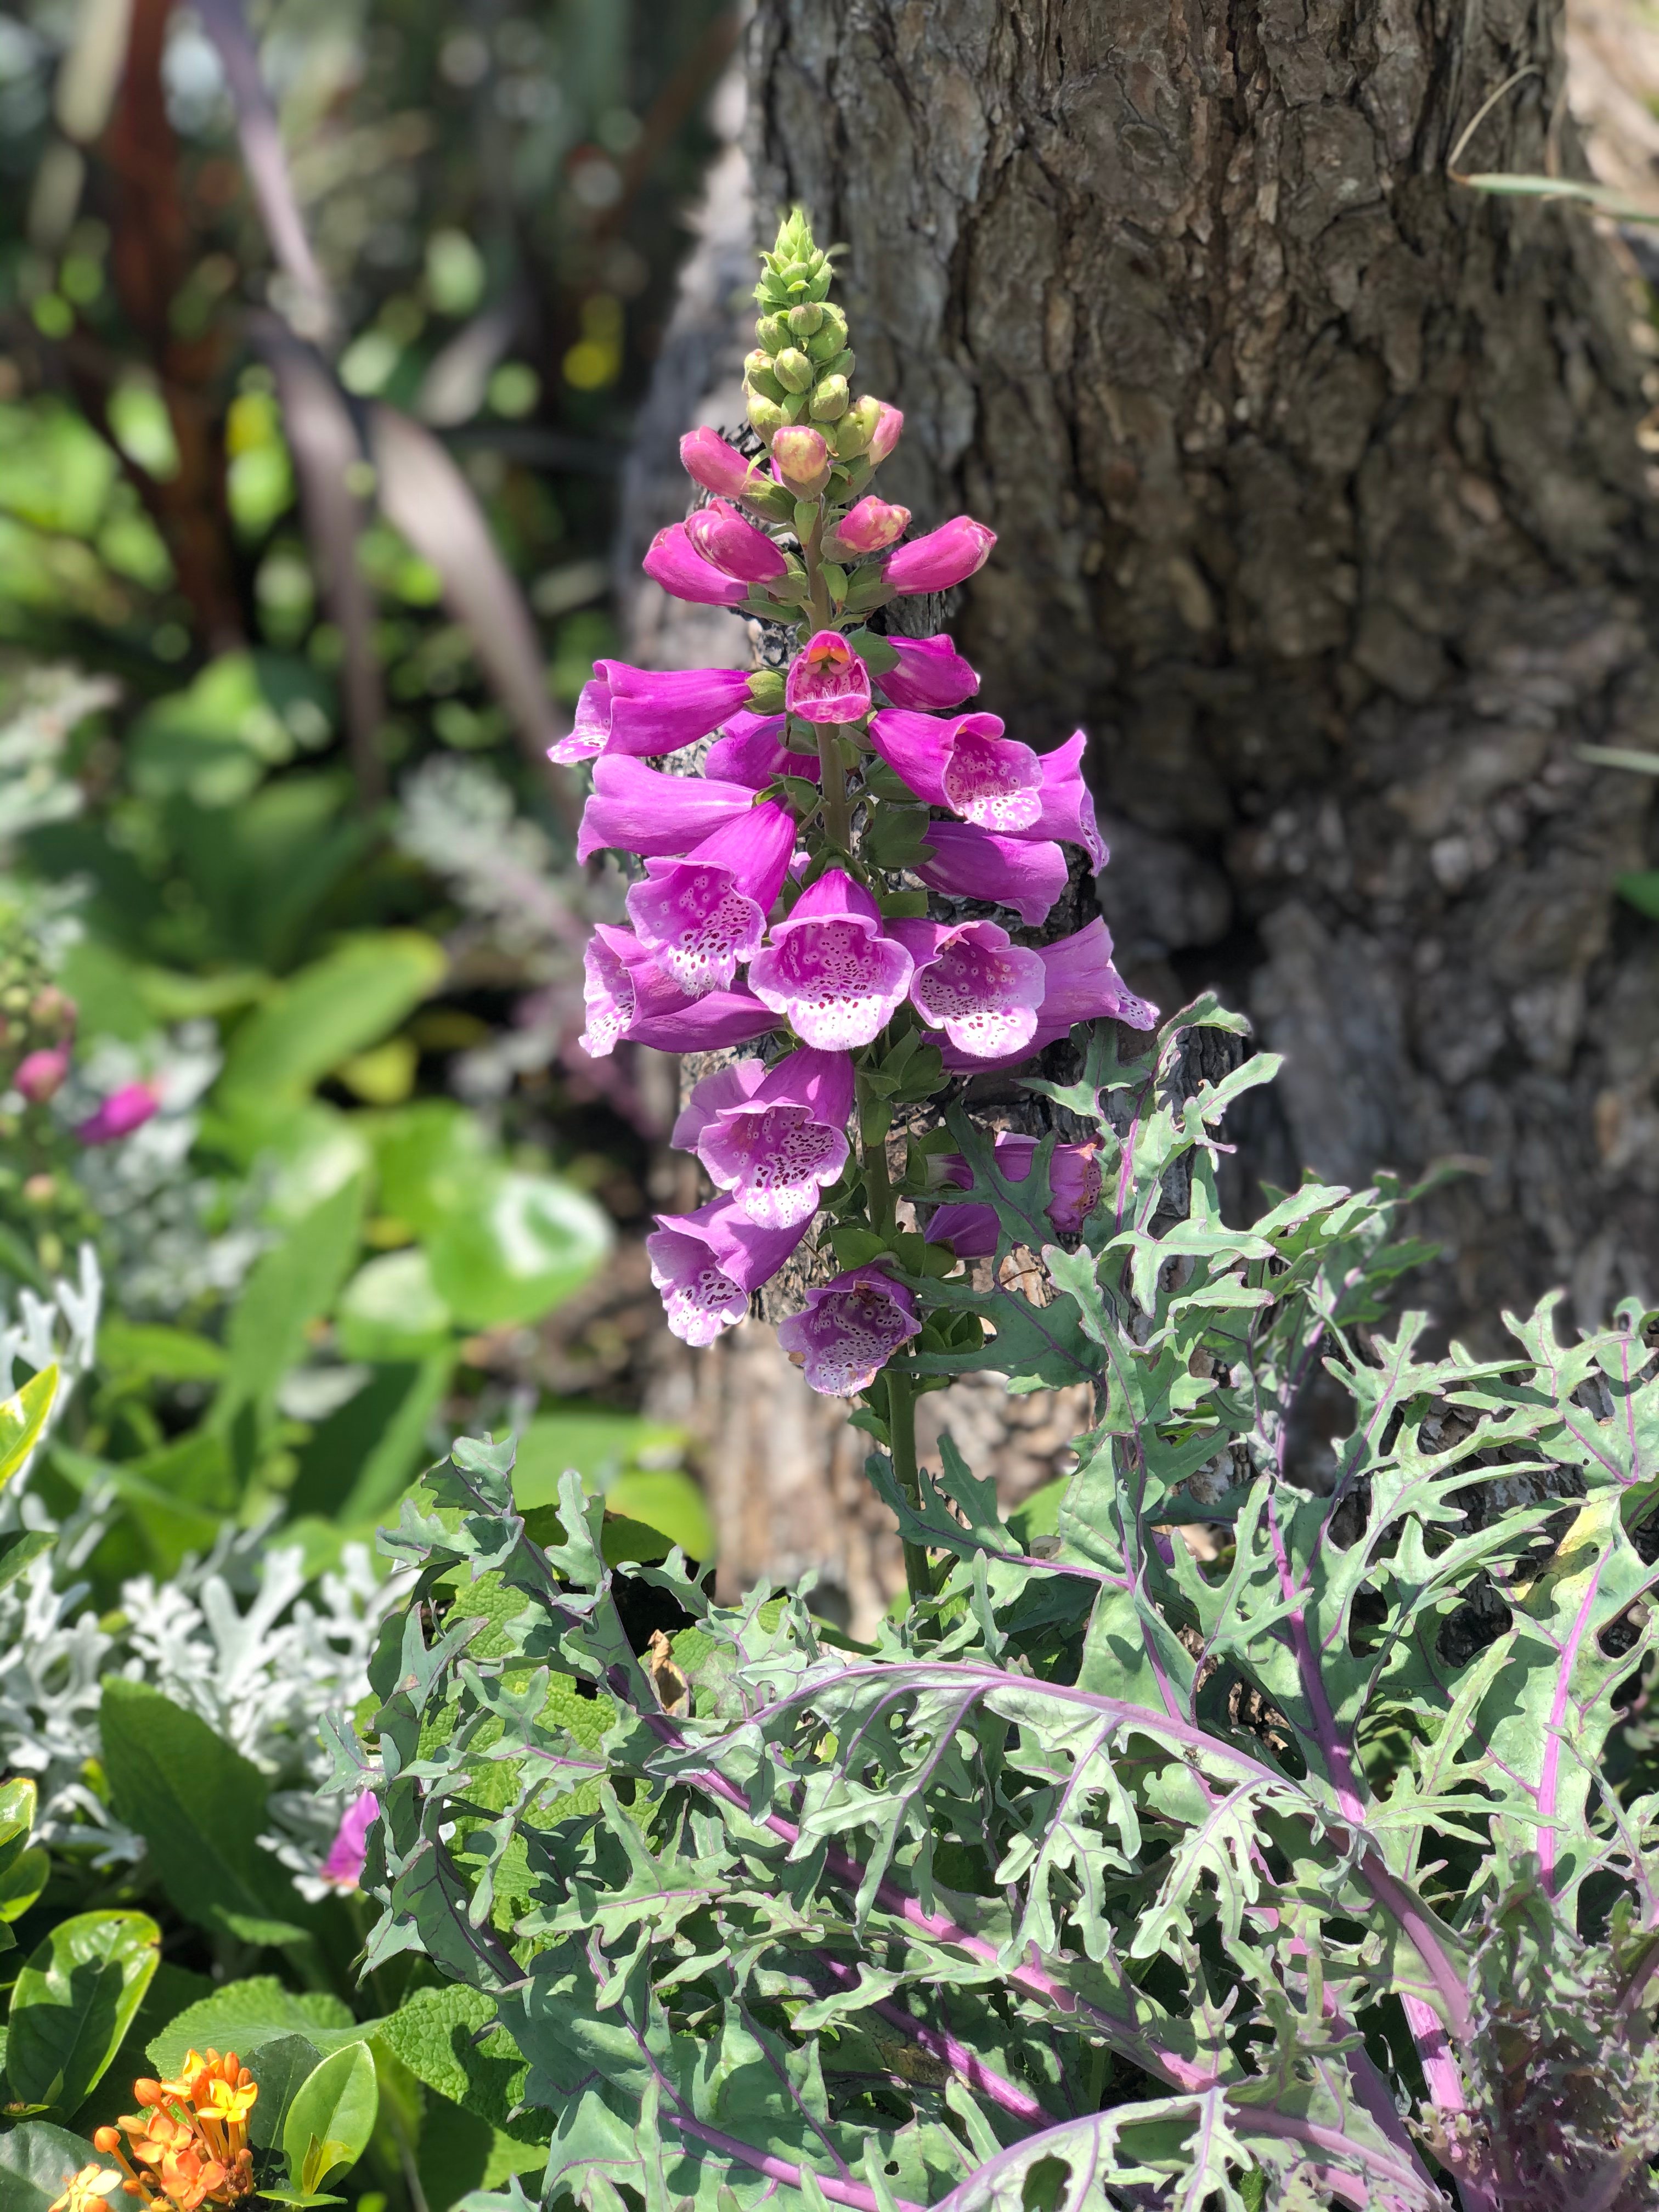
(188, 2146)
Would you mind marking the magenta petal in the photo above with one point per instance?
(963, 762)
(672, 561)
(709, 1023)
(970, 1230)
(120, 1114)
(707, 1263)
(869, 527)
(703, 914)
(1083, 986)
(890, 421)
(41, 1075)
(945, 557)
(778, 1148)
(630, 997)
(982, 990)
(1028, 874)
(828, 682)
(732, 544)
(751, 749)
(655, 711)
(707, 458)
(344, 1864)
(712, 1094)
(590, 726)
(640, 810)
(930, 674)
(828, 970)
(1068, 808)
(849, 1330)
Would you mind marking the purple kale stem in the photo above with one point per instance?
(940, 2044)
(779, 2169)
(1549, 1774)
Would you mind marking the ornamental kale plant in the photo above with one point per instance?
(1312, 1862)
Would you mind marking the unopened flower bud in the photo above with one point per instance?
(829, 337)
(852, 433)
(106, 2139)
(803, 460)
(773, 332)
(885, 435)
(840, 364)
(709, 461)
(869, 527)
(765, 415)
(766, 691)
(757, 373)
(41, 1074)
(829, 399)
(792, 370)
(805, 319)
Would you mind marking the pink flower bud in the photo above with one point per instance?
(946, 555)
(888, 422)
(732, 544)
(931, 673)
(869, 527)
(801, 459)
(673, 562)
(828, 682)
(121, 1112)
(715, 466)
(41, 1075)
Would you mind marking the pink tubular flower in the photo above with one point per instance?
(930, 674)
(828, 682)
(1081, 984)
(630, 997)
(639, 710)
(1028, 874)
(885, 435)
(41, 1074)
(1068, 810)
(640, 810)
(672, 561)
(776, 1139)
(732, 544)
(121, 1112)
(850, 1329)
(1074, 1188)
(971, 981)
(706, 458)
(830, 968)
(701, 915)
(343, 1866)
(947, 556)
(750, 749)
(707, 1263)
(869, 527)
(963, 761)
(801, 460)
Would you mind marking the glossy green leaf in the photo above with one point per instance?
(520, 1244)
(331, 2117)
(337, 1007)
(244, 2016)
(72, 2004)
(280, 2066)
(150, 1351)
(200, 1806)
(669, 1502)
(20, 1550)
(290, 1286)
(23, 1881)
(36, 2157)
(599, 1444)
(23, 1419)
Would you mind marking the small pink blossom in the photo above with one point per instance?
(829, 969)
(947, 556)
(850, 1329)
(801, 459)
(885, 435)
(703, 914)
(344, 1867)
(963, 761)
(120, 1114)
(707, 1264)
(674, 562)
(717, 466)
(930, 674)
(1026, 874)
(828, 682)
(732, 544)
(869, 527)
(41, 1075)
(977, 985)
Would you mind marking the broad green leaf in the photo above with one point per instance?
(329, 2122)
(669, 1502)
(439, 2034)
(279, 2066)
(599, 1445)
(200, 1806)
(21, 1882)
(1640, 889)
(36, 2159)
(289, 1287)
(23, 1419)
(390, 1310)
(215, 742)
(151, 1352)
(337, 1007)
(72, 2004)
(429, 1156)
(519, 1244)
(365, 1454)
(244, 2016)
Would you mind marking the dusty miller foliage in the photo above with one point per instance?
(1322, 1871)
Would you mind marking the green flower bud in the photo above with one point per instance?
(793, 371)
(765, 414)
(763, 497)
(828, 340)
(773, 332)
(766, 690)
(760, 376)
(805, 319)
(819, 287)
(852, 433)
(829, 399)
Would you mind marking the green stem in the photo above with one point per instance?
(901, 1439)
(837, 814)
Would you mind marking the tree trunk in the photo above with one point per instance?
(1319, 504)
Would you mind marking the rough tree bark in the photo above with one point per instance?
(1320, 505)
